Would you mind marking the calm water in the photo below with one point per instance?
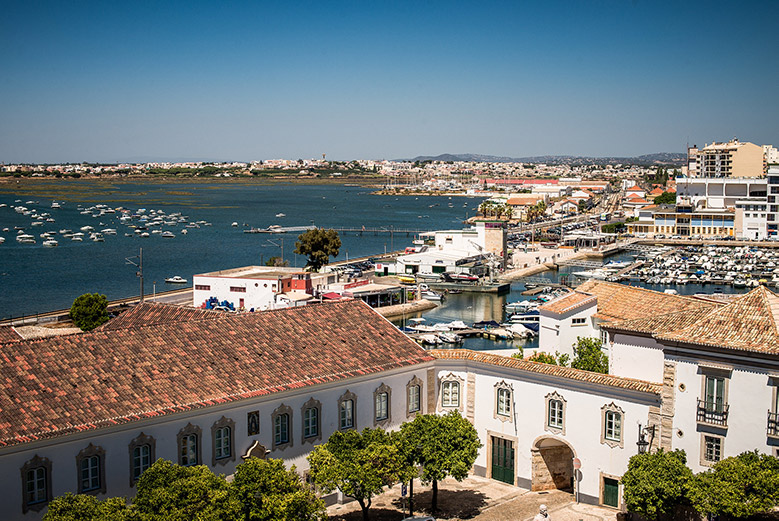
(36, 279)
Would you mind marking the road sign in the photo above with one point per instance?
(403, 490)
(577, 464)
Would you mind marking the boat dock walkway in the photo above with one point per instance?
(498, 288)
(470, 332)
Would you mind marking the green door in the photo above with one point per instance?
(611, 492)
(503, 460)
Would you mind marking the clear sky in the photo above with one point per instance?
(145, 80)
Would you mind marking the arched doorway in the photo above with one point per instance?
(552, 464)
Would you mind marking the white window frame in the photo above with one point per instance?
(450, 395)
(612, 426)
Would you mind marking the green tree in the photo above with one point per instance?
(666, 198)
(657, 484)
(444, 446)
(359, 464)
(270, 492)
(519, 354)
(89, 311)
(318, 245)
(84, 507)
(175, 493)
(588, 355)
(738, 487)
(277, 262)
(549, 358)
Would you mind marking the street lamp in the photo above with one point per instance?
(642, 444)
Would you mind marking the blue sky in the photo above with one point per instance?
(117, 81)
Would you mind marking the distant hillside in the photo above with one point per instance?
(662, 158)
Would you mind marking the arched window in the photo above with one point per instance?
(36, 484)
(189, 445)
(612, 419)
(141, 456)
(347, 410)
(281, 419)
(223, 440)
(91, 470)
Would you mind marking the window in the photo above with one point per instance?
(504, 402)
(381, 399)
(282, 425)
(381, 406)
(189, 445)
(310, 422)
(578, 321)
(36, 484)
(311, 417)
(413, 397)
(222, 433)
(347, 407)
(612, 418)
(712, 449)
(203, 287)
(281, 429)
(451, 394)
(141, 451)
(91, 470)
(555, 414)
(502, 398)
(238, 289)
(347, 414)
(713, 405)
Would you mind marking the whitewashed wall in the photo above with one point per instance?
(636, 356)
(259, 292)
(582, 420)
(557, 332)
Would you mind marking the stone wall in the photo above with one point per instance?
(552, 468)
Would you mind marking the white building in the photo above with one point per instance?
(200, 387)
(253, 287)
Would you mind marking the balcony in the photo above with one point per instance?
(713, 413)
(773, 424)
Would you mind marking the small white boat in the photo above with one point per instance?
(430, 339)
(432, 295)
(234, 225)
(175, 280)
(450, 338)
(183, 232)
(168, 235)
(281, 215)
(50, 243)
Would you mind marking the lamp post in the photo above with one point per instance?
(642, 443)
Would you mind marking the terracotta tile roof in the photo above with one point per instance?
(548, 369)
(150, 313)
(568, 302)
(57, 386)
(748, 323)
(621, 302)
(665, 322)
(9, 334)
(634, 188)
(657, 191)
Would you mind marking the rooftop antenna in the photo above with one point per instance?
(139, 265)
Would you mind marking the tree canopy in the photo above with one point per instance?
(262, 490)
(359, 464)
(318, 245)
(443, 446)
(666, 198)
(89, 311)
(738, 487)
(657, 484)
(588, 355)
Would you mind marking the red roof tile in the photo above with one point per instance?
(549, 369)
(150, 313)
(55, 386)
(9, 334)
(621, 302)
